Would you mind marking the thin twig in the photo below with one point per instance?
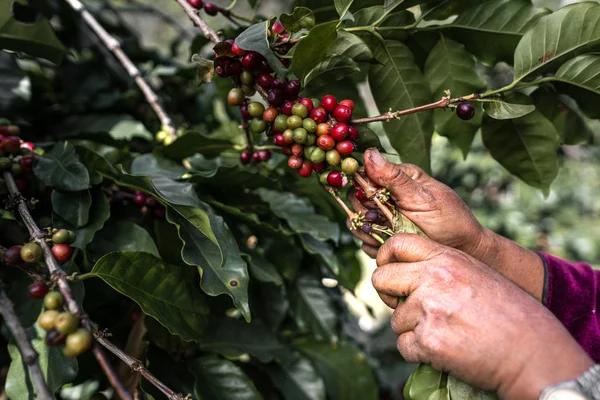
(192, 13)
(137, 366)
(390, 115)
(28, 353)
(60, 277)
(113, 45)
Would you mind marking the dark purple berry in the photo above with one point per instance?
(264, 155)
(292, 89)
(275, 97)
(367, 228)
(372, 216)
(211, 9)
(465, 111)
(245, 157)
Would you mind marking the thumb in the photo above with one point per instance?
(400, 180)
(407, 248)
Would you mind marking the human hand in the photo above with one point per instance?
(464, 318)
(430, 204)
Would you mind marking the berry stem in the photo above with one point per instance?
(369, 189)
(60, 277)
(28, 353)
(193, 15)
(137, 366)
(444, 102)
(28, 269)
(114, 46)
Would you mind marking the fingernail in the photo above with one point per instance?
(376, 158)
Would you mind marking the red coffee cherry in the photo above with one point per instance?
(342, 114)
(352, 133)
(319, 115)
(465, 111)
(286, 108)
(140, 198)
(329, 103)
(326, 142)
(249, 61)
(345, 148)
(319, 167)
(245, 157)
(62, 252)
(12, 255)
(335, 179)
(237, 50)
(306, 169)
(197, 4)
(265, 81)
(295, 162)
(340, 132)
(308, 103)
(347, 103)
(37, 290)
(211, 9)
(279, 140)
(361, 195)
(278, 27)
(264, 155)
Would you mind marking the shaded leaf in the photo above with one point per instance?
(460, 390)
(218, 379)
(300, 214)
(223, 270)
(196, 142)
(440, 394)
(423, 383)
(99, 214)
(353, 381)
(502, 110)
(163, 291)
(233, 337)
(301, 18)
(331, 68)
(564, 114)
(121, 236)
(297, 379)
(527, 147)
(562, 35)
(367, 138)
(151, 164)
(351, 46)
(313, 309)
(36, 37)
(73, 207)
(450, 67)
(313, 48)
(118, 126)
(60, 169)
(205, 69)
(255, 38)
(398, 84)
(342, 6)
(57, 368)
(263, 270)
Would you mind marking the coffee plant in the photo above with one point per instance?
(177, 229)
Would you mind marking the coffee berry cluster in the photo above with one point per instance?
(31, 253)
(62, 327)
(209, 8)
(316, 135)
(15, 156)
(147, 204)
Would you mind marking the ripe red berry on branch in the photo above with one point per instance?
(197, 4)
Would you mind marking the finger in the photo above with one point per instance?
(407, 346)
(397, 280)
(371, 251)
(405, 317)
(402, 180)
(407, 247)
(362, 236)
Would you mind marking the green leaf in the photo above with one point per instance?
(223, 270)
(527, 147)
(580, 79)
(218, 379)
(331, 68)
(313, 309)
(393, 22)
(118, 126)
(367, 138)
(57, 368)
(297, 379)
(263, 270)
(121, 236)
(344, 369)
(73, 207)
(163, 291)
(446, 8)
(255, 38)
(501, 22)
(60, 169)
(196, 142)
(564, 114)
(440, 394)
(300, 214)
(460, 390)
(35, 38)
(560, 36)
(99, 214)
(342, 6)
(398, 84)
(424, 382)
(350, 45)
(450, 67)
(301, 18)
(154, 164)
(313, 48)
(233, 337)
(501, 110)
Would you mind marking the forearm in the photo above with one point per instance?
(521, 266)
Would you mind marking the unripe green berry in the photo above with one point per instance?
(258, 125)
(78, 342)
(66, 323)
(294, 122)
(323, 178)
(5, 163)
(53, 301)
(60, 236)
(350, 166)
(246, 78)
(31, 252)
(308, 151)
(256, 109)
(161, 136)
(311, 139)
(281, 122)
(317, 155)
(300, 110)
(310, 125)
(47, 319)
(316, 102)
(248, 90)
(300, 135)
(333, 157)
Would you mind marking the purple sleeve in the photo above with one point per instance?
(572, 293)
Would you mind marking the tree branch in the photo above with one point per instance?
(113, 45)
(60, 277)
(192, 13)
(28, 353)
(137, 366)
